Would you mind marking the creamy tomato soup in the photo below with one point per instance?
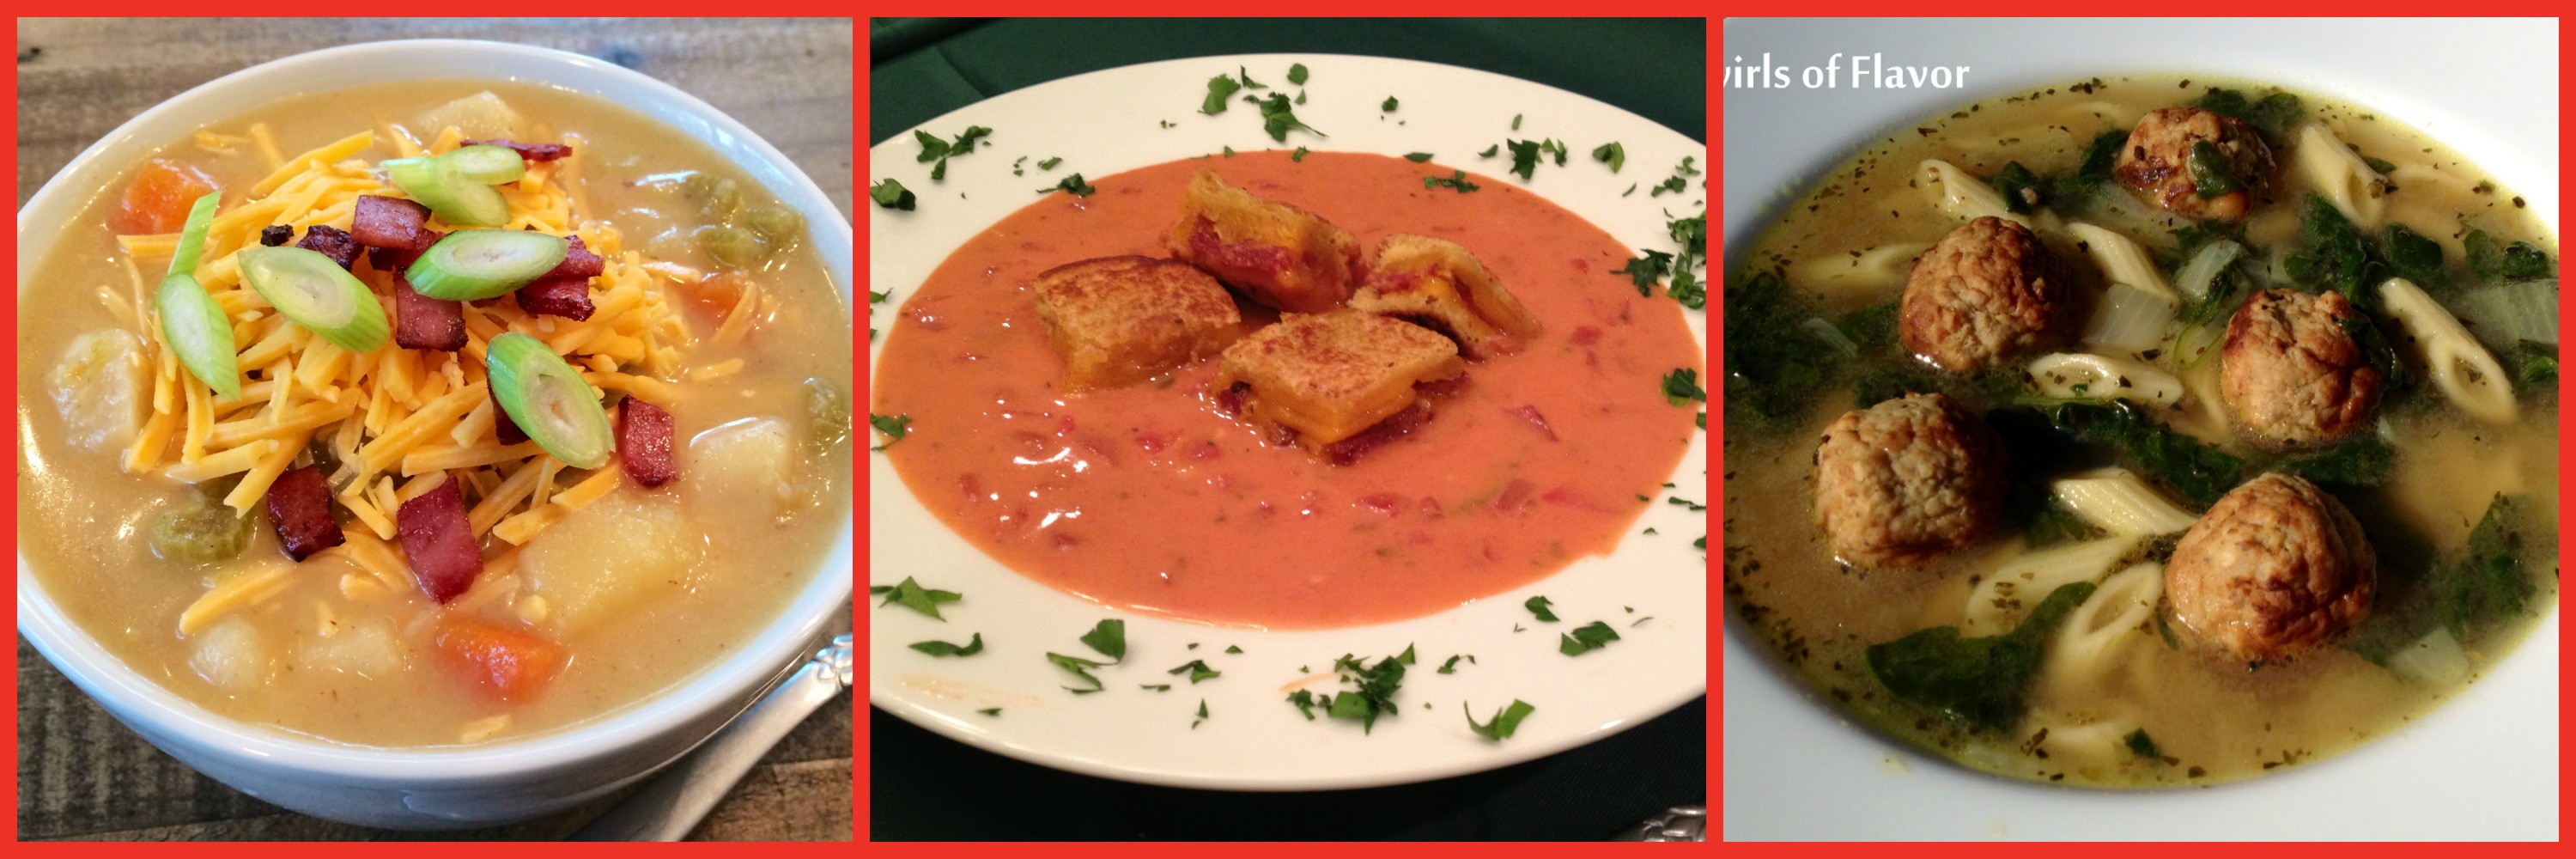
(1149, 498)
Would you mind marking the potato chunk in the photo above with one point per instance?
(1330, 375)
(100, 387)
(746, 464)
(1276, 254)
(481, 116)
(232, 656)
(1439, 284)
(1122, 320)
(611, 557)
(360, 647)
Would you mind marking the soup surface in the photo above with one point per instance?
(1147, 498)
(2459, 510)
(594, 591)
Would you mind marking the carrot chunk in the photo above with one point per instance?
(157, 200)
(510, 664)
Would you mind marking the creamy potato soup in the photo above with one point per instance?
(430, 413)
(1219, 474)
(2143, 431)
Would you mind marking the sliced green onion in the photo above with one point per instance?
(317, 293)
(472, 265)
(192, 238)
(548, 400)
(486, 164)
(453, 199)
(196, 329)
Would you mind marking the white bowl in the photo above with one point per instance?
(2483, 765)
(484, 784)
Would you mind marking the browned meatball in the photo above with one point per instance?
(2291, 372)
(2273, 569)
(1903, 481)
(2155, 162)
(1987, 292)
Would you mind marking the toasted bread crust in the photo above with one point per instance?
(1435, 281)
(1121, 320)
(1276, 254)
(1328, 376)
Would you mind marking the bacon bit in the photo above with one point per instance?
(398, 259)
(1530, 414)
(1442, 388)
(568, 297)
(644, 442)
(158, 199)
(388, 222)
(331, 242)
(1382, 503)
(527, 151)
(503, 427)
(1396, 426)
(274, 235)
(578, 262)
(510, 664)
(1515, 497)
(299, 504)
(1586, 335)
(422, 322)
(439, 542)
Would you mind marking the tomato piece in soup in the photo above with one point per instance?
(510, 664)
(157, 200)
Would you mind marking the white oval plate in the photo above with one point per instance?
(2483, 765)
(1106, 122)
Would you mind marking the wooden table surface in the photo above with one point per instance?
(81, 775)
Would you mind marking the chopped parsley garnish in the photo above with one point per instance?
(912, 595)
(1299, 155)
(1015, 165)
(1702, 542)
(1586, 638)
(1504, 722)
(1245, 75)
(1193, 646)
(1375, 695)
(935, 149)
(2141, 745)
(1110, 638)
(942, 648)
(1417, 157)
(1229, 152)
(1679, 501)
(1490, 150)
(1539, 607)
(1612, 154)
(1645, 270)
(1682, 387)
(1297, 74)
(1674, 185)
(1650, 531)
(1277, 118)
(1516, 122)
(1167, 123)
(1407, 656)
(890, 194)
(1194, 725)
(1081, 668)
(895, 427)
(1233, 649)
(1457, 179)
(1220, 93)
(1198, 670)
(1305, 702)
(1050, 163)
(1525, 154)
(991, 711)
(1388, 107)
(1632, 188)
(1158, 687)
(875, 297)
(1451, 666)
(1071, 185)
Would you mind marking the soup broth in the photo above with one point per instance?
(2142, 702)
(633, 590)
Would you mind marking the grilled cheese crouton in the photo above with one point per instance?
(1329, 376)
(1440, 284)
(1122, 320)
(1276, 254)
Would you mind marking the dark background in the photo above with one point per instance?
(926, 787)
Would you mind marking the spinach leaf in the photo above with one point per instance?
(2490, 584)
(2274, 114)
(2019, 187)
(2415, 257)
(1774, 368)
(2200, 472)
(2535, 365)
(2363, 461)
(1980, 681)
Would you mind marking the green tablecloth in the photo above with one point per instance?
(920, 68)
(925, 787)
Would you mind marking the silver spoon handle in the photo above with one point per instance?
(673, 803)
